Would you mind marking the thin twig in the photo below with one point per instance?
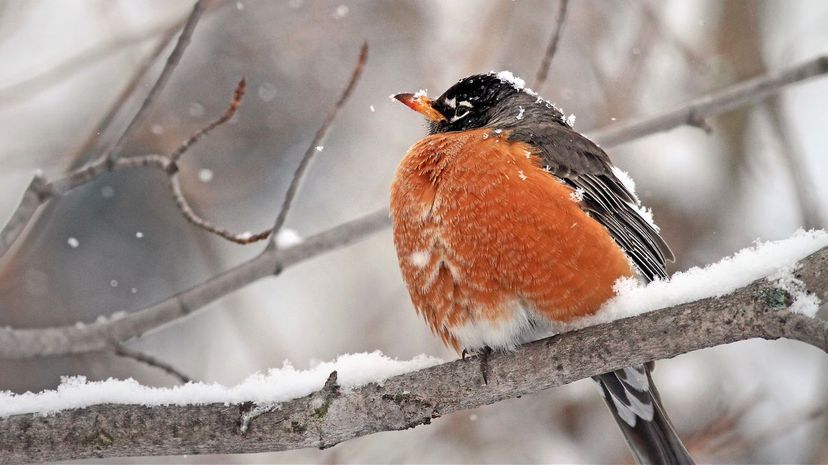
(238, 95)
(35, 194)
(123, 351)
(175, 186)
(172, 62)
(118, 103)
(696, 111)
(552, 47)
(317, 144)
(191, 216)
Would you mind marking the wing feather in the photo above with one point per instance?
(581, 164)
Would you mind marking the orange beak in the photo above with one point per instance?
(422, 105)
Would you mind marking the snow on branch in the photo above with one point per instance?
(366, 393)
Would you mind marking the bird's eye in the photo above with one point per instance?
(460, 113)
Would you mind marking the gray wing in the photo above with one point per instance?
(584, 166)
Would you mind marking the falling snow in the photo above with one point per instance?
(320, 148)
(341, 11)
(267, 91)
(196, 110)
(139, 234)
(205, 175)
(73, 243)
(107, 192)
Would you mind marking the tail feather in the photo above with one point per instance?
(635, 404)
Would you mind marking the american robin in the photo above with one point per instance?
(506, 220)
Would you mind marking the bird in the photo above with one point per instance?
(507, 222)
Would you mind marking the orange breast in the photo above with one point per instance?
(488, 240)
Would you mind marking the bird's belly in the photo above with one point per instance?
(491, 250)
(459, 298)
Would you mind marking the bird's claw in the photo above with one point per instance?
(484, 364)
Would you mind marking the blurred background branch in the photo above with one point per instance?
(317, 145)
(695, 112)
(552, 47)
(111, 153)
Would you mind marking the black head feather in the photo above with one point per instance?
(493, 100)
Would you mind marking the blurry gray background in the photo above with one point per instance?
(711, 194)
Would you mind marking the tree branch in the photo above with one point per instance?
(727, 99)
(755, 311)
(74, 339)
(28, 343)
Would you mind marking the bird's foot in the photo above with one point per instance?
(484, 363)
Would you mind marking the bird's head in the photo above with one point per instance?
(492, 100)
